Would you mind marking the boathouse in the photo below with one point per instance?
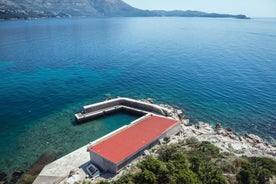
(117, 150)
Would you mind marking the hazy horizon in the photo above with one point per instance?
(251, 8)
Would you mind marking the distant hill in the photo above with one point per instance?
(20, 9)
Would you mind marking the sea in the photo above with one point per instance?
(215, 70)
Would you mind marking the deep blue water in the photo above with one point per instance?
(215, 70)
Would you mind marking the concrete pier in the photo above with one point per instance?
(119, 104)
(152, 116)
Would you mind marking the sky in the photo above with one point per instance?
(251, 8)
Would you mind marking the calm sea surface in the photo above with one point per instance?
(215, 70)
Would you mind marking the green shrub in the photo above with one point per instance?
(164, 175)
(125, 179)
(185, 176)
(263, 175)
(208, 174)
(256, 170)
(150, 164)
(209, 149)
(166, 152)
(166, 140)
(145, 176)
(175, 165)
(246, 175)
(179, 161)
(192, 141)
(264, 162)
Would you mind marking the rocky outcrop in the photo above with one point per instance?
(176, 114)
(227, 140)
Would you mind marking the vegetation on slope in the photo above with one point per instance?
(25, 9)
(195, 162)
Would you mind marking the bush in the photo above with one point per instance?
(208, 174)
(125, 179)
(185, 176)
(209, 149)
(263, 175)
(150, 164)
(179, 161)
(226, 166)
(145, 177)
(263, 162)
(164, 175)
(174, 165)
(166, 152)
(246, 175)
(166, 139)
(192, 140)
(256, 170)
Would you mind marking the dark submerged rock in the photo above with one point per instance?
(36, 168)
(43, 160)
(3, 177)
(16, 176)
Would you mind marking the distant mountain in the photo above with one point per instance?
(19, 9)
(190, 13)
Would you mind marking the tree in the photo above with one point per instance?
(186, 177)
(246, 175)
(209, 174)
(145, 176)
(150, 164)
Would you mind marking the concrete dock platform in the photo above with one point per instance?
(58, 170)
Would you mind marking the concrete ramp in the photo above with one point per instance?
(58, 170)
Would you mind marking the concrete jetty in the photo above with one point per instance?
(152, 116)
(120, 104)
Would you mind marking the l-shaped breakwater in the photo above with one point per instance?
(128, 105)
(226, 140)
(157, 122)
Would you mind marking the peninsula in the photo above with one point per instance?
(25, 9)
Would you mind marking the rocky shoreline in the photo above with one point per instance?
(226, 139)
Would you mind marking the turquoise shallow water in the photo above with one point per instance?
(215, 70)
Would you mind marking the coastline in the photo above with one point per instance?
(226, 140)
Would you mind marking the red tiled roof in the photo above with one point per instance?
(130, 140)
